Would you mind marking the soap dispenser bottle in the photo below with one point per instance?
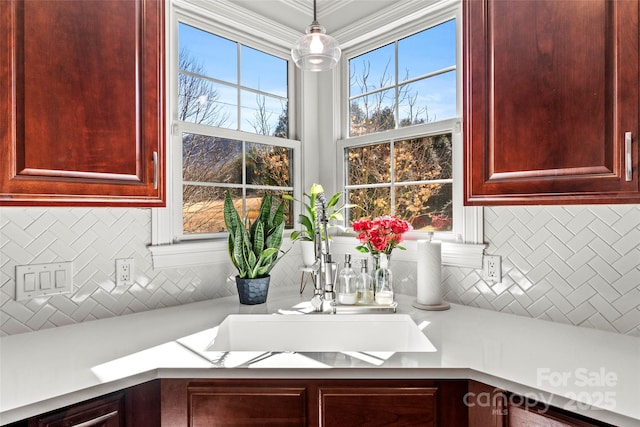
(364, 284)
(347, 293)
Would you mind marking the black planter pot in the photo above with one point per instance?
(253, 291)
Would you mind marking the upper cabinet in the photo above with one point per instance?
(551, 101)
(82, 103)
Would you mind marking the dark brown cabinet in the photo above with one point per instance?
(310, 402)
(551, 101)
(383, 406)
(493, 407)
(104, 412)
(137, 406)
(541, 416)
(82, 103)
(313, 402)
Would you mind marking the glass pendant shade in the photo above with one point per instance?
(316, 50)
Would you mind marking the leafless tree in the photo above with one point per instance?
(208, 160)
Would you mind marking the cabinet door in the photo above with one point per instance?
(378, 406)
(551, 101)
(81, 102)
(487, 405)
(188, 402)
(542, 416)
(260, 405)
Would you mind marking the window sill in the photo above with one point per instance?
(189, 254)
(454, 254)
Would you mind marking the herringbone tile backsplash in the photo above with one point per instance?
(572, 264)
(577, 265)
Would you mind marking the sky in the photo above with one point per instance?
(425, 52)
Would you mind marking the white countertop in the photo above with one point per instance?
(583, 370)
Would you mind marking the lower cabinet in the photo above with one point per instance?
(107, 411)
(310, 402)
(137, 406)
(536, 415)
(313, 402)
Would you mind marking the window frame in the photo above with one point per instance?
(463, 246)
(244, 138)
(169, 247)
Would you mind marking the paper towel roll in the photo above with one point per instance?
(429, 272)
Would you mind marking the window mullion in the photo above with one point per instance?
(244, 178)
(428, 75)
(239, 91)
(396, 89)
(392, 177)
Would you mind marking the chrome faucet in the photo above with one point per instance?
(325, 270)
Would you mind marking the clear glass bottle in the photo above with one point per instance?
(347, 293)
(384, 282)
(364, 284)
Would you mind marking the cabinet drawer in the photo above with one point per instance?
(103, 412)
(378, 406)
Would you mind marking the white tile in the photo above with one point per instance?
(581, 295)
(627, 321)
(560, 301)
(559, 265)
(607, 310)
(604, 250)
(628, 282)
(581, 313)
(604, 269)
(539, 307)
(581, 276)
(583, 256)
(628, 242)
(627, 302)
(579, 221)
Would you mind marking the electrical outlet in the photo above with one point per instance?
(492, 268)
(124, 271)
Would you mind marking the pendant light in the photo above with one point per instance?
(316, 50)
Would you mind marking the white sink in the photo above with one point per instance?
(320, 333)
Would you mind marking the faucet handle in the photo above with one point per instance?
(316, 303)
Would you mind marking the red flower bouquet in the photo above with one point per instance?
(381, 234)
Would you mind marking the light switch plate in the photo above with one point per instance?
(36, 280)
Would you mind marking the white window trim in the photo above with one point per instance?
(465, 248)
(221, 18)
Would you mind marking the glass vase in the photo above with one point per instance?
(383, 279)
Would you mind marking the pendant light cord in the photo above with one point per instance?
(314, 11)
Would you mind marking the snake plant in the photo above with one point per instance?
(254, 247)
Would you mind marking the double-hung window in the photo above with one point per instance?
(231, 112)
(232, 126)
(401, 154)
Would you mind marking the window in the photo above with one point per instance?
(410, 178)
(407, 82)
(226, 84)
(402, 118)
(232, 126)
